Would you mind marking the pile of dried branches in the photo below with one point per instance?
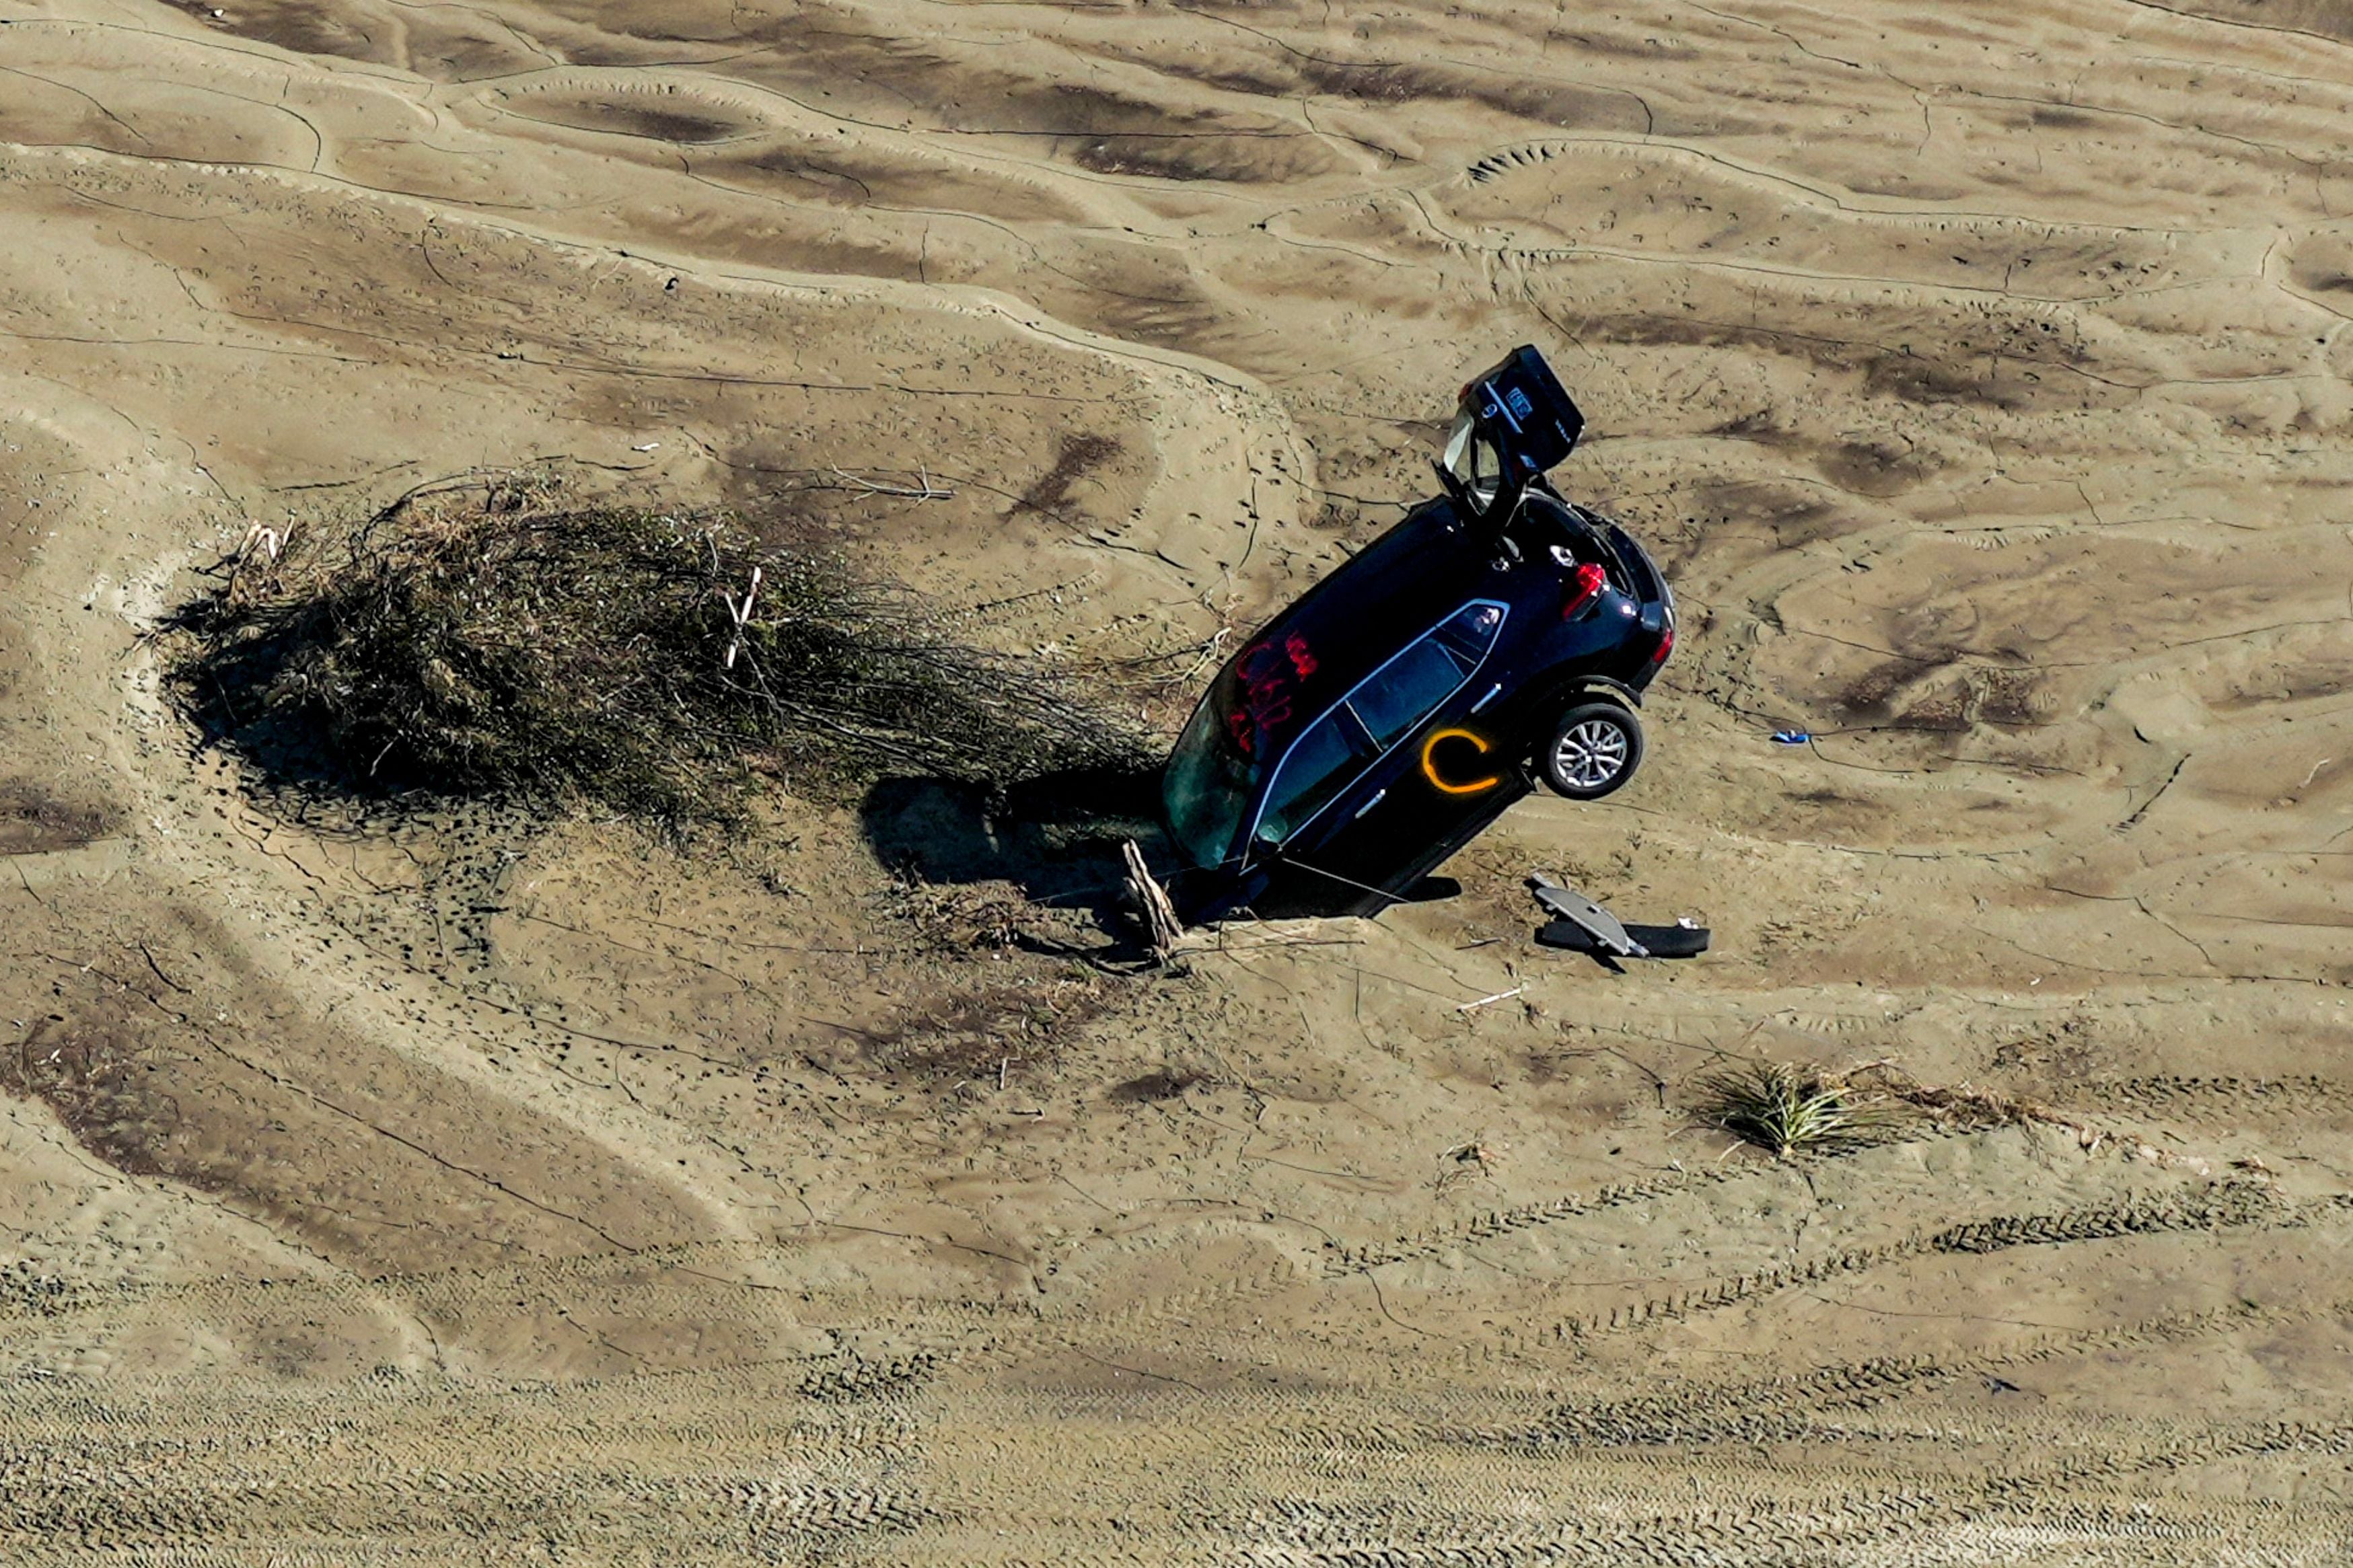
(495, 640)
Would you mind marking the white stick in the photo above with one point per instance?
(1498, 997)
(261, 539)
(743, 616)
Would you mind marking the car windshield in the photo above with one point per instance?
(1220, 760)
(1210, 783)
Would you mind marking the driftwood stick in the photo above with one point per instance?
(1150, 903)
(926, 490)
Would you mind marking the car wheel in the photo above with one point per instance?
(1595, 748)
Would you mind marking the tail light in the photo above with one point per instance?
(1666, 645)
(1585, 585)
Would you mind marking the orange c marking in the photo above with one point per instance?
(1429, 763)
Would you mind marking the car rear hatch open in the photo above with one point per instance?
(1512, 424)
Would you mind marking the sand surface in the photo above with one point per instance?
(484, 1190)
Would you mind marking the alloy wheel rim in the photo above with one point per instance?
(1592, 753)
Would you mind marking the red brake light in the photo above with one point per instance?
(1585, 585)
(1666, 645)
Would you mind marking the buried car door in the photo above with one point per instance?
(1437, 773)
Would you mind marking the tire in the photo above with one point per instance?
(1594, 750)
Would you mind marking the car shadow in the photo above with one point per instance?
(1056, 837)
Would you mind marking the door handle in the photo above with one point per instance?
(1378, 795)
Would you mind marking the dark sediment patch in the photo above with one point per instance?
(298, 28)
(1236, 159)
(2012, 370)
(1078, 455)
(34, 821)
(1877, 468)
(656, 117)
(2007, 697)
(1560, 104)
(1795, 515)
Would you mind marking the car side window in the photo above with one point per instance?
(1470, 631)
(1318, 766)
(1406, 690)
(1383, 709)
(1410, 687)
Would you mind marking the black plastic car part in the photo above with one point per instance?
(1581, 925)
(1656, 941)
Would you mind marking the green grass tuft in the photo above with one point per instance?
(1785, 1109)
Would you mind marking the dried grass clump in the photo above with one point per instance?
(497, 640)
(1964, 1105)
(1786, 1109)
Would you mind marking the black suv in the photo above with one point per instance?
(1499, 635)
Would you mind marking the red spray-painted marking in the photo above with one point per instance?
(1267, 673)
